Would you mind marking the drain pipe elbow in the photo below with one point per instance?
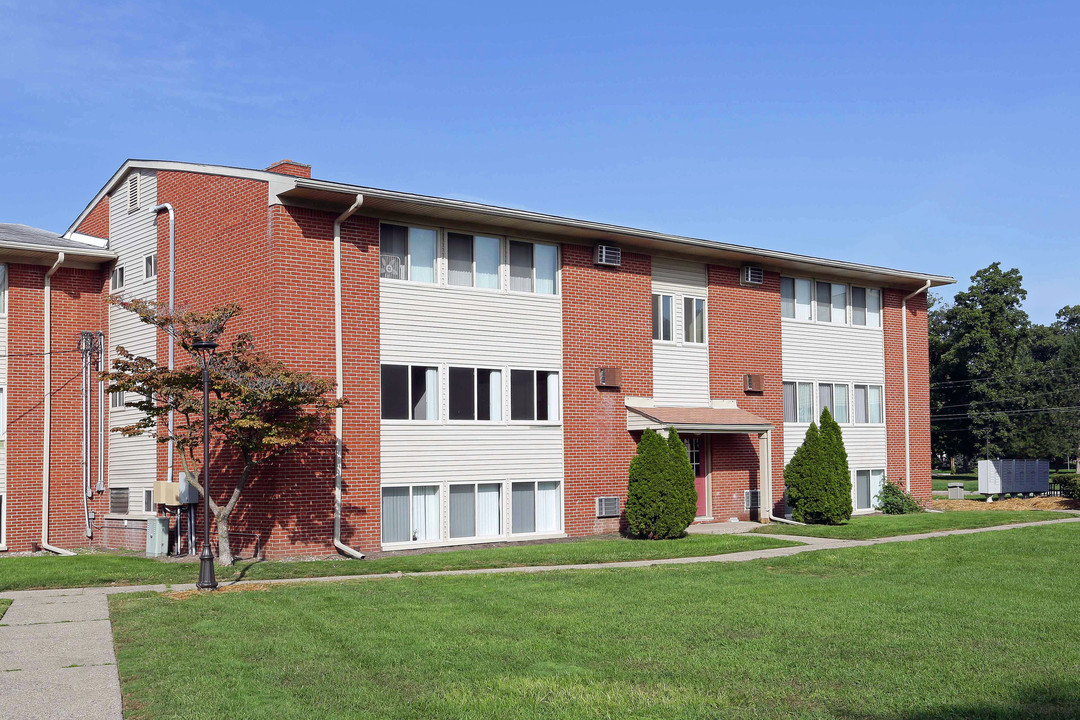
(46, 439)
(339, 367)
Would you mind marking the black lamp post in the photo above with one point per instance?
(207, 581)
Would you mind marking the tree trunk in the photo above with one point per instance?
(225, 556)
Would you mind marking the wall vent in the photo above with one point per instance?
(607, 507)
(753, 382)
(118, 501)
(608, 377)
(607, 255)
(133, 192)
(752, 499)
(752, 275)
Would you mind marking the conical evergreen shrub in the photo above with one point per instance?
(661, 498)
(818, 479)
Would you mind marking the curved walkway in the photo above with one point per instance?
(56, 647)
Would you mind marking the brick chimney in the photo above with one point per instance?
(289, 167)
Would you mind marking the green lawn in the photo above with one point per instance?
(863, 527)
(943, 484)
(95, 569)
(4, 603)
(885, 632)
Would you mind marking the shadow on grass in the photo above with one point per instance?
(1040, 701)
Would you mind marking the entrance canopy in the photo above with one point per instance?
(695, 419)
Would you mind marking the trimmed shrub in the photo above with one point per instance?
(894, 500)
(1069, 483)
(661, 498)
(818, 478)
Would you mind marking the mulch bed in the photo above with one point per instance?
(1036, 503)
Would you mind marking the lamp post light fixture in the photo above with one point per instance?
(207, 581)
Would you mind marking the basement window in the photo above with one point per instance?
(411, 513)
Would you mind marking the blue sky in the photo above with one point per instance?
(929, 136)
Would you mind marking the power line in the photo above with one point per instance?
(1032, 411)
(998, 376)
(1018, 397)
(39, 354)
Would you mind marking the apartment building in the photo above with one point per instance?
(499, 364)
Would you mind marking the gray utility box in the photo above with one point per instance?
(956, 491)
(1003, 477)
(157, 536)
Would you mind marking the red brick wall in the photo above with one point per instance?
(290, 167)
(97, 222)
(607, 322)
(77, 304)
(918, 387)
(744, 337)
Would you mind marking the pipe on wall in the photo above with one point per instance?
(101, 412)
(339, 367)
(46, 439)
(907, 400)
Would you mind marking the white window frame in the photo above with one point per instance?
(116, 274)
(509, 400)
(503, 505)
(812, 305)
(4, 282)
(658, 306)
(3, 520)
(444, 509)
(704, 320)
(152, 259)
(850, 402)
(813, 401)
(849, 314)
(148, 494)
(3, 413)
(534, 243)
(503, 382)
(504, 261)
(440, 254)
(510, 508)
(409, 392)
(855, 489)
(854, 389)
(881, 307)
(116, 400)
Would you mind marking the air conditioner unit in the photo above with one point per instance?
(754, 383)
(607, 255)
(752, 275)
(608, 377)
(607, 507)
(752, 499)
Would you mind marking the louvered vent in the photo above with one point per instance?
(752, 499)
(607, 507)
(133, 192)
(608, 255)
(118, 501)
(752, 275)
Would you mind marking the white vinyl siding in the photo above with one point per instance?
(133, 236)
(681, 368)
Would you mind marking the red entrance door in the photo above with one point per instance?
(697, 453)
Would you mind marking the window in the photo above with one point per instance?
(475, 394)
(410, 513)
(148, 501)
(798, 402)
(534, 395)
(795, 298)
(832, 303)
(150, 266)
(407, 253)
(3, 518)
(661, 317)
(693, 449)
(116, 399)
(867, 487)
(475, 510)
(3, 413)
(533, 267)
(835, 398)
(473, 260)
(116, 280)
(693, 320)
(866, 306)
(868, 405)
(133, 192)
(410, 392)
(118, 501)
(3, 288)
(535, 507)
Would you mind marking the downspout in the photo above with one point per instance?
(101, 413)
(46, 439)
(172, 344)
(765, 445)
(907, 402)
(339, 362)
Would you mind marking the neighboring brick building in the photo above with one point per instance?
(499, 364)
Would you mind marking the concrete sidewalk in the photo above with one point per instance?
(56, 653)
